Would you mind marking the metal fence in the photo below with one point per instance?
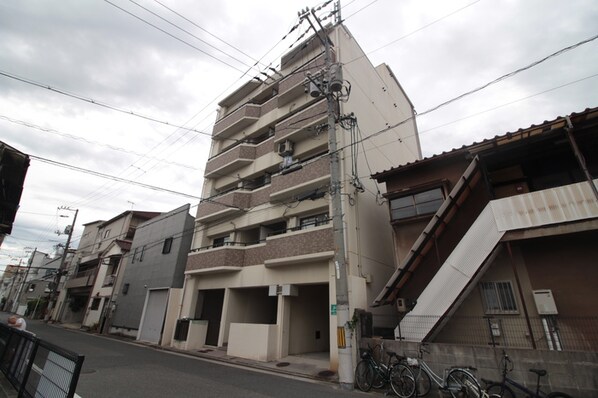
(37, 368)
(515, 331)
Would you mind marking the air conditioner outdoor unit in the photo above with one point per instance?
(285, 148)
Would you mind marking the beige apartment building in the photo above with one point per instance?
(260, 276)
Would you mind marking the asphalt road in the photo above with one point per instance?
(115, 368)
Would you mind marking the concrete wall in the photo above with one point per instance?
(574, 373)
(156, 270)
(253, 341)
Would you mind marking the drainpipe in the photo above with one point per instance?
(580, 159)
(529, 325)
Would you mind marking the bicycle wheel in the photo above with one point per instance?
(461, 384)
(364, 375)
(402, 380)
(557, 394)
(499, 390)
(423, 384)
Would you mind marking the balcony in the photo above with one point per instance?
(292, 87)
(301, 246)
(311, 176)
(233, 159)
(81, 279)
(298, 123)
(292, 247)
(225, 205)
(233, 123)
(228, 258)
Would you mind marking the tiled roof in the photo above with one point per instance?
(545, 126)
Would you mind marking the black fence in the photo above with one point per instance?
(542, 333)
(37, 368)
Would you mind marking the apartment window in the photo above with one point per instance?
(31, 287)
(313, 221)
(418, 204)
(167, 246)
(222, 241)
(134, 255)
(141, 253)
(106, 233)
(498, 297)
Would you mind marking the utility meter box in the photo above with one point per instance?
(545, 302)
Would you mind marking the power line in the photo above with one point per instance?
(187, 32)
(92, 142)
(110, 177)
(99, 103)
(459, 97)
(515, 72)
(211, 34)
(173, 36)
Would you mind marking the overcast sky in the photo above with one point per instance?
(196, 52)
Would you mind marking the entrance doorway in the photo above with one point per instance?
(209, 308)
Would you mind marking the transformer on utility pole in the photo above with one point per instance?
(329, 86)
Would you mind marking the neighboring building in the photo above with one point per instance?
(36, 269)
(147, 293)
(33, 299)
(88, 289)
(12, 280)
(496, 241)
(261, 272)
(13, 169)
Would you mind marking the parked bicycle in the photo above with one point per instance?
(458, 381)
(504, 388)
(371, 373)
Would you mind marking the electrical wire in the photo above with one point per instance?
(92, 142)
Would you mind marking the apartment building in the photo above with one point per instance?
(260, 277)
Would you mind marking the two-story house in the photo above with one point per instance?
(496, 241)
(261, 271)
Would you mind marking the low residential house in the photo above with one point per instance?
(146, 299)
(13, 169)
(89, 288)
(496, 241)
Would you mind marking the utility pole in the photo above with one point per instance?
(24, 282)
(344, 333)
(52, 297)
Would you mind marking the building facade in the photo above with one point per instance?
(86, 293)
(148, 287)
(495, 241)
(261, 271)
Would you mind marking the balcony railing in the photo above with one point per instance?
(243, 117)
(300, 121)
(81, 279)
(278, 246)
(224, 205)
(312, 175)
(292, 86)
(230, 160)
